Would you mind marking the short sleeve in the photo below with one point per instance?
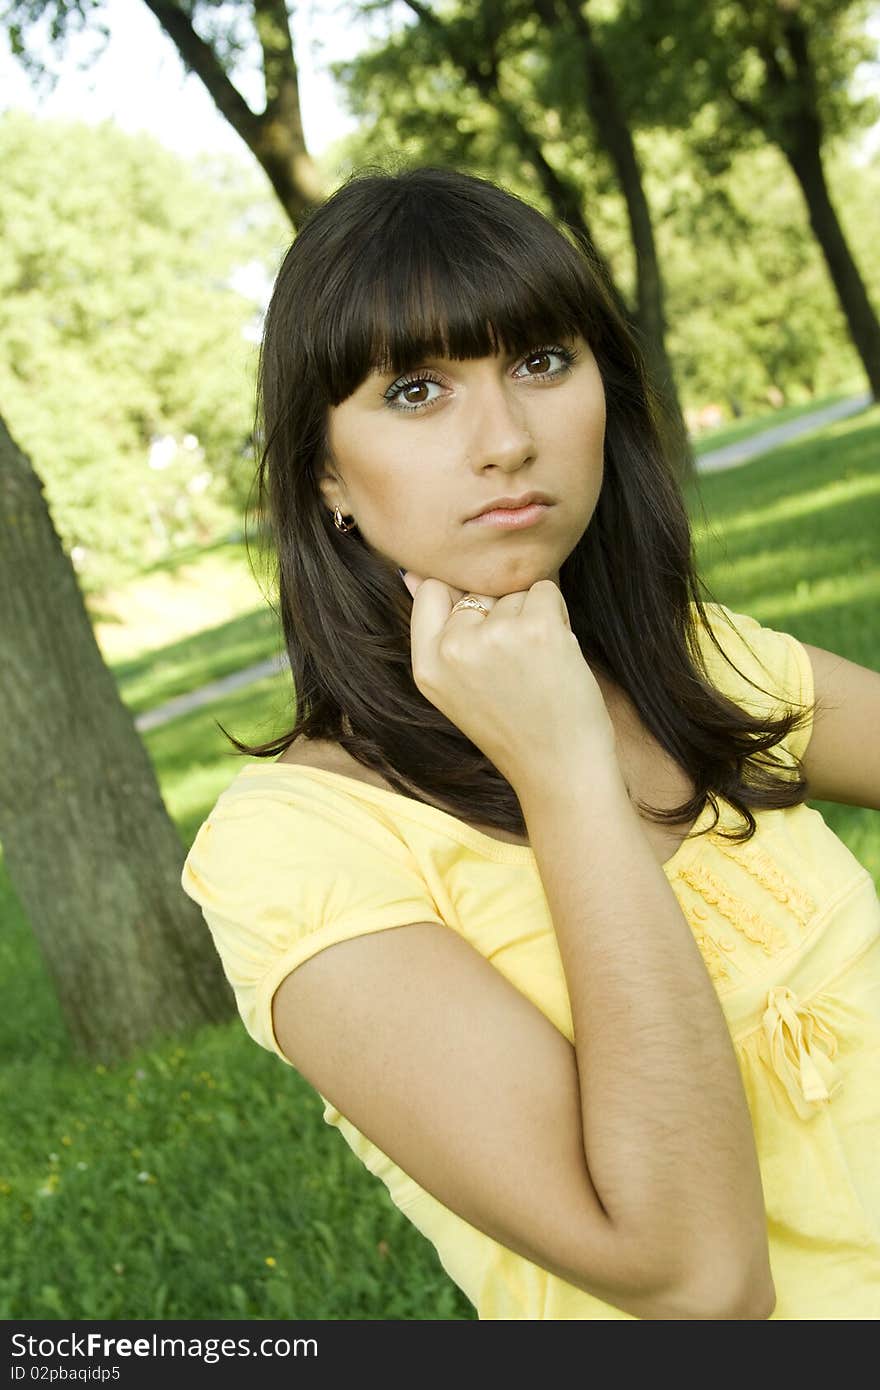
(282, 874)
(777, 661)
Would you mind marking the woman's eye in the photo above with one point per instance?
(400, 397)
(543, 355)
(419, 392)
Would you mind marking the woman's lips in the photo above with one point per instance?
(511, 518)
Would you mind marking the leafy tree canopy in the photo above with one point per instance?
(120, 328)
(680, 56)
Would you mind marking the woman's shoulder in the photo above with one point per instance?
(762, 668)
(283, 867)
(759, 650)
(328, 756)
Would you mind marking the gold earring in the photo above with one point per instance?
(338, 522)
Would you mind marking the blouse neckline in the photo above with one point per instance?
(459, 829)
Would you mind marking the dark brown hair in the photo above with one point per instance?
(394, 267)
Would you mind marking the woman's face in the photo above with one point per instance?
(415, 456)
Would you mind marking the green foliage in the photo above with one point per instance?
(675, 56)
(753, 316)
(423, 98)
(53, 21)
(119, 325)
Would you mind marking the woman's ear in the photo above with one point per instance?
(327, 490)
(329, 484)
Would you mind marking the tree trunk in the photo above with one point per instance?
(805, 159)
(563, 197)
(790, 117)
(649, 319)
(88, 844)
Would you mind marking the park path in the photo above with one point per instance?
(726, 457)
(744, 449)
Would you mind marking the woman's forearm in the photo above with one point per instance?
(667, 1132)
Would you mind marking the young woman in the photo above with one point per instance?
(532, 897)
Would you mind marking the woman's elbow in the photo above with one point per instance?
(754, 1299)
(714, 1295)
(757, 1302)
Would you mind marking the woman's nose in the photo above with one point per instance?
(500, 432)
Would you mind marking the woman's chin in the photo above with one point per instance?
(498, 586)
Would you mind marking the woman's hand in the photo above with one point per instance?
(515, 682)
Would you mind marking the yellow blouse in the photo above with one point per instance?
(293, 859)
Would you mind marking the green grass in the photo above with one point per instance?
(197, 1179)
(223, 578)
(792, 541)
(145, 682)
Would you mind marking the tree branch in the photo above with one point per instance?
(201, 59)
(275, 135)
(272, 24)
(485, 81)
(762, 38)
(563, 197)
(797, 39)
(746, 108)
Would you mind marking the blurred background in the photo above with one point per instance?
(157, 159)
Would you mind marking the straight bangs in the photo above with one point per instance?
(431, 280)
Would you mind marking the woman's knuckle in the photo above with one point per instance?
(450, 648)
(535, 631)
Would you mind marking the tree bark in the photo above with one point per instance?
(561, 195)
(88, 844)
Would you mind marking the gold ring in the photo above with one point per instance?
(469, 602)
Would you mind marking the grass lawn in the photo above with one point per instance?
(197, 1179)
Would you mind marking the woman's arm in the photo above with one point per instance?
(625, 1165)
(842, 760)
(667, 1130)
